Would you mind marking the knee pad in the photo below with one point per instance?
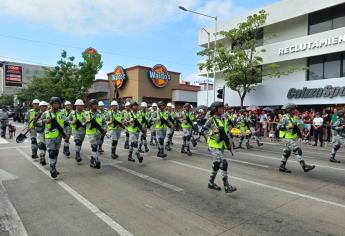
(337, 146)
(153, 133)
(223, 165)
(189, 137)
(53, 154)
(216, 165)
(286, 153)
(184, 139)
(113, 143)
(78, 142)
(143, 136)
(170, 136)
(127, 134)
(135, 144)
(241, 138)
(94, 147)
(33, 141)
(297, 150)
(161, 140)
(42, 146)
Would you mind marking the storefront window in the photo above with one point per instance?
(332, 66)
(315, 68)
(339, 17)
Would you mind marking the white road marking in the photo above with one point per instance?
(4, 148)
(9, 219)
(104, 217)
(274, 158)
(266, 186)
(3, 141)
(148, 178)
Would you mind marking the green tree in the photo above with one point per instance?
(240, 64)
(68, 79)
(6, 100)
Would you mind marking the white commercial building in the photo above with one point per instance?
(297, 33)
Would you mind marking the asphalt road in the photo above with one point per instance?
(170, 196)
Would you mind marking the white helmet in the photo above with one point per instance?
(201, 110)
(79, 102)
(68, 103)
(154, 104)
(35, 101)
(173, 106)
(169, 104)
(143, 104)
(127, 104)
(43, 103)
(100, 104)
(114, 103)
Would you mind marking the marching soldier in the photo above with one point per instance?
(40, 133)
(172, 120)
(115, 125)
(188, 118)
(134, 128)
(67, 112)
(153, 141)
(78, 127)
(289, 132)
(103, 113)
(161, 119)
(125, 115)
(30, 118)
(145, 115)
(94, 130)
(217, 143)
(339, 132)
(54, 132)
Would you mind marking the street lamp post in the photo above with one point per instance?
(215, 43)
(208, 47)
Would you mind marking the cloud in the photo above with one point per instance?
(115, 16)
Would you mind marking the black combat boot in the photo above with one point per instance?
(140, 148)
(212, 185)
(167, 146)
(189, 153)
(78, 157)
(93, 162)
(182, 149)
(53, 172)
(100, 149)
(227, 187)
(43, 159)
(140, 158)
(113, 154)
(258, 143)
(126, 146)
(248, 145)
(282, 167)
(306, 167)
(332, 159)
(130, 158)
(98, 164)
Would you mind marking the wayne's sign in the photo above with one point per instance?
(327, 92)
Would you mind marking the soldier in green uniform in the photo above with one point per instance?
(134, 127)
(42, 147)
(30, 119)
(94, 130)
(339, 135)
(187, 119)
(77, 118)
(217, 143)
(54, 123)
(125, 115)
(115, 125)
(289, 132)
(67, 129)
(145, 115)
(153, 141)
(103, 113)
(170, 131)
(243, 122)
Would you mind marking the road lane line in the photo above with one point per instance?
(274, 158)
(266, 186)
(104, 217)
(150, 179)
(3, 141)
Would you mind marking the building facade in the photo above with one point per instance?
(141, 83)
(300, 34)
(15, 76)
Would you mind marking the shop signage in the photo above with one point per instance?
(13, 75)
(159, 76)
(327, 92)
(91, 52)
(312, 44)
(119, 77)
